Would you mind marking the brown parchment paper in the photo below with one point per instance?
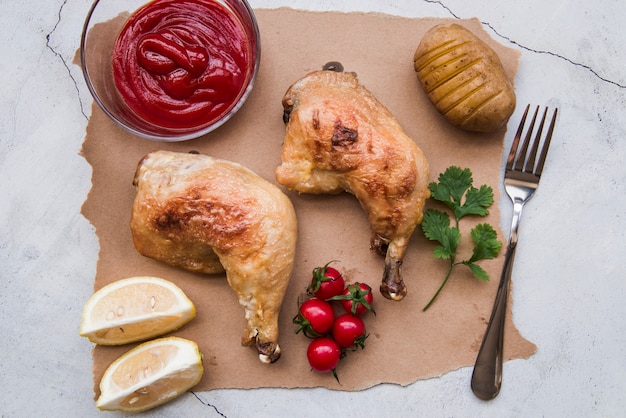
(405, 344)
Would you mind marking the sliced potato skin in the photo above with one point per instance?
(464, 78)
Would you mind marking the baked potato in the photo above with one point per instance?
(464, 78)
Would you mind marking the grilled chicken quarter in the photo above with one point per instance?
(340, 138)
(208, 215)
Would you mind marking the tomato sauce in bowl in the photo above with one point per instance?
(181, 63)
(178, 68)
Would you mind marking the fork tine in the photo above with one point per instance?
(521, 159)
(546, 144)
(511, 158)
(530, 163)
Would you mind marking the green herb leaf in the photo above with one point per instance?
(476, 202)
(456, 192)
(436, 227)
(452, 185)
(486, 244)
(478, 271)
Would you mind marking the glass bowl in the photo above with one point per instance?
(103, 23)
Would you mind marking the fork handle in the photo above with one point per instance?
(487, 375)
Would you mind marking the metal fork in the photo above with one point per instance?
(521, 179)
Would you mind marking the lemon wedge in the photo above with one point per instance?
(150, 374)
(135, 309)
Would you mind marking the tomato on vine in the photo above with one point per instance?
(326, 282)
(349, 331)
(323, 354)
(357, 299)
(315, 317)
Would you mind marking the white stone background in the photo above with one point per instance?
(570, 287)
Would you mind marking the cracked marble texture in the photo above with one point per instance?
(569, 276)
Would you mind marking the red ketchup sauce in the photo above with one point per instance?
(181, 63)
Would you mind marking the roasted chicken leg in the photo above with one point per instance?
(208, 215)
(340, 138)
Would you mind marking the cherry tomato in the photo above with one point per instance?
(315, 317)
(349, 331)
(326, 282)
(323, 354)
(357, 298)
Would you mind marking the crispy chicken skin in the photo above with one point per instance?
(208, 215)
(340, 138)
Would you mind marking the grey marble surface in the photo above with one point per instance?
(570, 285)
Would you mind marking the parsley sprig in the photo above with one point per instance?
(455, 190)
